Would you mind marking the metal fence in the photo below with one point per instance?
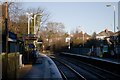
(83, 51)
(95, 51)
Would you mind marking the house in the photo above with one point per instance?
(81, 36)
(104, 34)
(116, 37)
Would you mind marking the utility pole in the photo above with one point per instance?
(5, 75)
(6, 25)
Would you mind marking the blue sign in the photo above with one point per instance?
(12, 35)
(31, 46)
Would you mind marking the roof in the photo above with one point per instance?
(87, 35)
(117, 33)
(105, 33)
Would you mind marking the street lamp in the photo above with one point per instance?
(83, 37)
(114, 22)
(29, 18)
(114, 13)
(69, 40)
(35, 21)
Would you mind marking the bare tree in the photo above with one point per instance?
(54, 35)
(53, 30)
(18, 18)
(94, 35)
(56, 27)
(15, 10)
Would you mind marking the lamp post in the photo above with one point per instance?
(35, 21)
(29, 18)
(114, 14)
(36, 29)
(114, 23)
(83, 38)
(69, 41)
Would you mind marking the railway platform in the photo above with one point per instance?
(108, 60)
(44, 68)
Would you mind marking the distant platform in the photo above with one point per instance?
(114, 61)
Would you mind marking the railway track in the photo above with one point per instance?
(98, 72)
(67, 72)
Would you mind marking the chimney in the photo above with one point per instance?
(106, 30)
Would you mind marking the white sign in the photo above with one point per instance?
(67, 39)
